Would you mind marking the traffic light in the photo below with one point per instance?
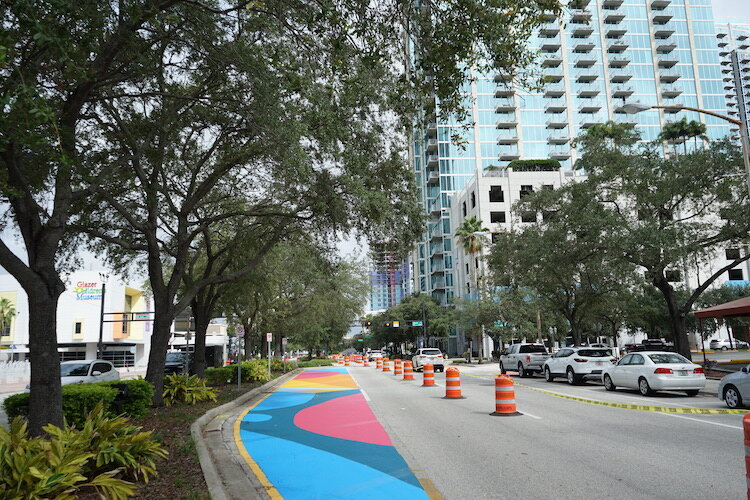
(387, 324)
(368, 323)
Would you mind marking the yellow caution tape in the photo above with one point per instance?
(629, 406)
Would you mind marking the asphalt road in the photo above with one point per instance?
(558, 448)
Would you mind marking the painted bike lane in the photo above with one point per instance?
(316, 437)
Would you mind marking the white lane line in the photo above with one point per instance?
(530, 415)
(699, 420)
(367, 398)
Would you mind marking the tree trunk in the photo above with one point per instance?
(575, 333)
(45, 398)
(202, 318)
(676, 316)
(248, 339)
(159, 342)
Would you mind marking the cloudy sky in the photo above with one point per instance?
(732, 9)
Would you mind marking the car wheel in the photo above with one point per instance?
(644, 388)
(502, 368)
(572, 377)
(732, 397)
(608, 385)
(521, 371)
(724, 348)
(692, 392)
(548, 374)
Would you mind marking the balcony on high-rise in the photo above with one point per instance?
(557, 120)
(615, 30)
(549, 29)
(504, 120)
(432, 161)
(551, 58)
(613, 15)
(662, 16)
(553, 74)
(509, 152)
(663, 30)
(585, 60)
(586, 75)
(666, 61)
(549, 42)
(503, 76)
(617, 46)
(621, 91)
(433, 206)
(620, 75)
(589, 105)
(669, 75)
(671, 90)
(559, 137)
(504, 89)
(665, 45)
(660, 4)
(554, 89)
(589, 90)
(590, 119)
(505, 105)
(431, 128)
(432, 144)
(618, 61)
(583, 45)
(579, 15)
(581, 29)
(507, 136)
(555, 105)
(433, 176)
(559, 152)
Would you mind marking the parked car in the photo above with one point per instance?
(525, 358)
(651, 371)
(428, 355)
(174, 362)
(724, 344)
(734, 389)
(90, 370)
(373, 355)
(577, 364)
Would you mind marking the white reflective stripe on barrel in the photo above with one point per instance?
(505, 401)
(503, 389)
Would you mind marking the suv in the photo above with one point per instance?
(373, 355)
(526, 358)
(577, 364)
(428, 355)
(174, 363)
(724, 344)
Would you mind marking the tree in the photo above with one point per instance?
(7, 313)
(85, 84)
(666, 215)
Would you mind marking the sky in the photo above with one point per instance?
(732, 9)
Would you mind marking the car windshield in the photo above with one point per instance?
(593, 353)
(667, 358)
(530, 349)
(74, 370)
(431, 352)
(174, 357)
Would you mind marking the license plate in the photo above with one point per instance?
(682, 373)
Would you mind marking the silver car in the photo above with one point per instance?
(725, 344)
(734, 389)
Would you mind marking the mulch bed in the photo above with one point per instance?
(180, 475)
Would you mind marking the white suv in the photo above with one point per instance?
(428, 355)
(725, 344)
(577, 364)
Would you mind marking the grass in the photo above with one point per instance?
(180, 475)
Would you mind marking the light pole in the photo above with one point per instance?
(634, 107)
(480, 234)
(100, 346)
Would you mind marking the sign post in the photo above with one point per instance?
(283, 352)
(269, 338)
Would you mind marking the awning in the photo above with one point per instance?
(739, 307)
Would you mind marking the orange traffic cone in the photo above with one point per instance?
(453, 384)
(505, 397)
(428, 376)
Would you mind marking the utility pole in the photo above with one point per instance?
(100, 346)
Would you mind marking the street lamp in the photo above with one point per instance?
(632, 108)
(100, 346)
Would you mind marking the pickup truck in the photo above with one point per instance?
(428, 356)
(525, 358)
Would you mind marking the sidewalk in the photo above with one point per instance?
(310, 436)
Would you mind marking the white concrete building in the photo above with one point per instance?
(126, 343)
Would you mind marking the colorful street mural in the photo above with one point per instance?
(316, 437)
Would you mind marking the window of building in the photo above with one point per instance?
(494, 237)
(526, 189)
(673, 275)
(735, 275)
(548, 215)
(528, 217)
(77, 328)
(733, 253)
(497, 216)
(468, 288)
(476, 263)
(464, 208)
(496, 194)
(473, 200)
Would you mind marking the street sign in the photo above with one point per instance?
(240, 334)
(240, 329)
(141, 316)
(501, 323)
(417, 323)
(269, 337)
(283, 340)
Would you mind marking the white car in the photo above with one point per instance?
(577, 364)
(82, 371)
(650, 371)
(431, 356)
(374, 355)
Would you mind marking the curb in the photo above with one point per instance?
(213, 479)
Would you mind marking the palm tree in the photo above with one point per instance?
(470, 237)
(7, 312)
(696, 130)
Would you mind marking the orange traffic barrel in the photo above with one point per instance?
(428, 375)
(365, 361)
(398, 367)
(341, 360)
(358, 358)
(408, 371)
(386, 365)
(453, 384)
(505, 397)
(378, 363)
(346, 361)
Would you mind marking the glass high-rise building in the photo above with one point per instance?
(389, 278)
(601, 54)
(734, 49)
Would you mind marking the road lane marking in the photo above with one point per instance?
(630, 406)
(701, 421)
(530, 415)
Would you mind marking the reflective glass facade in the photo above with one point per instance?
(734, 50)
(600, 55)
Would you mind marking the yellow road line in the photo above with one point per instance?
(629, 406)
(430, 489)
(272, 492)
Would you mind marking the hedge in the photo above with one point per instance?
(255, 370)
(311, 363)
(534, 165)
(79, 399)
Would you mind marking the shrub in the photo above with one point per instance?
(315, 362)
(255, 370)
(99, 457)
(78, 399)
(222, 375)
(189, 389)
